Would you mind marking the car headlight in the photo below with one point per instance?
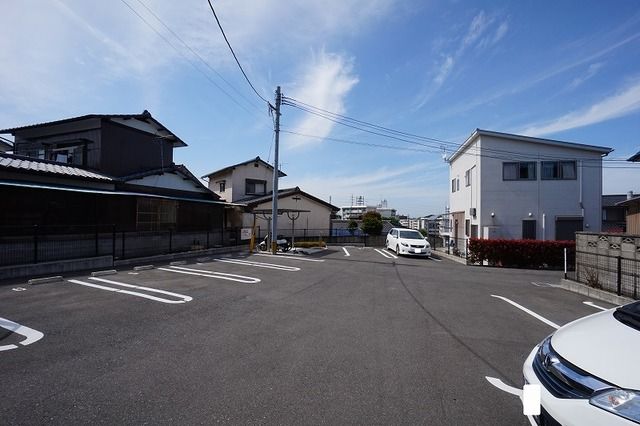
(623, 402)
(405, 244)
(428, 245)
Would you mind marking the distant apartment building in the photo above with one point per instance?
(518, 187)
(359, 207)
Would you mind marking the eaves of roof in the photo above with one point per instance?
(253, 160)
(480, 132)
(144, 116)
(26, 164)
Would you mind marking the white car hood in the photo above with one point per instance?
(602, 346)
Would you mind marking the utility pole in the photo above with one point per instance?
(276, 172)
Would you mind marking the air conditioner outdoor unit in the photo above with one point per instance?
(472, 212)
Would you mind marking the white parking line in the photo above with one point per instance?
(593, 305)
(183, 298)
(346, 253)
(259, 264)
(433, 258)
(31, 335)
(289, 256)
(530, 312)
(211, 274)
(511, 390)
(386, 254)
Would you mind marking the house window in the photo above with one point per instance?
(255, 187)
(524, 170)
(222, 186)
(155, 214)
(453, 185)
(558, 170)
(528, 229)
(467, 178)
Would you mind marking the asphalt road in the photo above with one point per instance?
(334, 339)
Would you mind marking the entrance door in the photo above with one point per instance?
(528, 229)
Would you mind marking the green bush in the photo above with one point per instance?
(520, 253)
(372, 223)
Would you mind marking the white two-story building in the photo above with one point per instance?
(518, 187)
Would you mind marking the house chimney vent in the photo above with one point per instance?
(629, 195)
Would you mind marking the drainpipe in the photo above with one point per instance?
(581, 183)
(544, 223)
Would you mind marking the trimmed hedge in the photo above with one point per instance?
(520, 253)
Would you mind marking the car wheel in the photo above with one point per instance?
(397, 249)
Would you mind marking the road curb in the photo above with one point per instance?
(143, 267)
(101, 273)
(44, 280)
(594, 293)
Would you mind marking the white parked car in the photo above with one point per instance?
(408, 241)
(589, 370)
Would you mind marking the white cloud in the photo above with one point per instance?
(477, 28)
(326, 81)
(591, 72)
(620, 104)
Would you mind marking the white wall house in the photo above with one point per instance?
(518, 187)
(251, 183)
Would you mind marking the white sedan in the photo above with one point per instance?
(408, 241)
(588, 370)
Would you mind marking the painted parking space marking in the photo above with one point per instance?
(386, 254)
(510, 390)
(258, 264)
(435, 258)
(289, 256)
(528, 311)
(593, 305)
(212, 274)
(30, 335)
(543, 284)
(181, 297)
(346, 253)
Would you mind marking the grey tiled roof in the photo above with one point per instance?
(19, 163)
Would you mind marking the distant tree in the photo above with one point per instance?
(372, 223)
(352, 226)
(424, 232)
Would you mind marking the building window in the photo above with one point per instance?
(467, 178)
(453, 185)
(155, 214)
(524, 170)
(222, 186)
(558, 170)
(255, 187)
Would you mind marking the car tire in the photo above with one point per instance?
(397, 250)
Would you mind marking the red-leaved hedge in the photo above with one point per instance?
(520, 253)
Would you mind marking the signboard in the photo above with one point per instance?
(245, 234)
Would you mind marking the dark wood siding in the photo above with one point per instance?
(126, 151)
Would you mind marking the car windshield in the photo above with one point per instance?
(411, 235)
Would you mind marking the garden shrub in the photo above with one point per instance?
(519, 253)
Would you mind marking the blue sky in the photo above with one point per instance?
(440, 69)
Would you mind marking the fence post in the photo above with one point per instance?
(35, 243)
(113, 243)
(207, 237)
(565, 263)
(96, 241)
(123, 256)
(619, 276)
(170, 240)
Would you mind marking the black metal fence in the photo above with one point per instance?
(37, 244)
(611, 273)
(329, 236)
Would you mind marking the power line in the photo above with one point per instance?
(425, 141)
(234, 53)
(195, 53)
(433, 150)
(166, 40)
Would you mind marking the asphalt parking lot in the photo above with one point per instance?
(345, 336)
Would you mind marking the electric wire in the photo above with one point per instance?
(166, 40)
(195, 53)
(234, 53)
(407, 138)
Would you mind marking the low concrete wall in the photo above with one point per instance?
(57, 267)
(162, 258)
